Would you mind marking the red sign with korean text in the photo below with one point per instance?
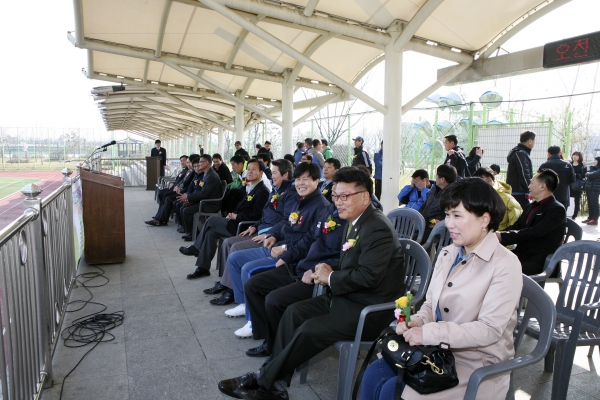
(576, 50)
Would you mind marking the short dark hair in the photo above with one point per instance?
(477, 197)
(265, 157)
(308, 140)
(237, 159)
(447, 172)
(481, 172)
(451, 138)
(194, 155)
(157, 141)
(308, 156)
(335, 162)
(299, 145)
(290, 158)
(207, 157)
(316, 142)
(548, 177)
(217, 156)
(354, 175)
(267, 142)
(261, 165)
(526, 135)
(495, 168)
(554, 150)
(183, 156)
(284, 166)
(258, 145)
(313, 171)
(324, 141)
(237, 142)
(420, 173)
(194, 159)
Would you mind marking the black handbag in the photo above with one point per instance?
(426, 369)
(578, 185)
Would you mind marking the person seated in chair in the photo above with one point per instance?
(206, 188)
(183, 160)
(255, 234)
(471, 303)
(513, 208)
(370, 271)
(415, 194)
(303, 212)
(431, 211)
(249, 209)
(540, 230)
(330, 167)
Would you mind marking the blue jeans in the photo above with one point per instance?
(379, 382)
(243, 264)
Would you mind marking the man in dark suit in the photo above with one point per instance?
(540, 230)
(565, 172)
(161, 153)
(207, 188)
(370, 271)
(180, 177)
(249, 209)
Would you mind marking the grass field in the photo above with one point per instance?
(9, 186)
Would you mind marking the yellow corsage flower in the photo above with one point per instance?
(202, 183)
(250, 197)
(403, 306)
(294, 217)
(325, 192)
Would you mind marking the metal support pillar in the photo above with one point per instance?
(392, 123)
(287, 116)
(221, 142)
(239, 123)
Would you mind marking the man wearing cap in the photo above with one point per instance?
(361, 157)
(161, 153)
(239, 150)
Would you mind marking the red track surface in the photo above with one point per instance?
(11, 207)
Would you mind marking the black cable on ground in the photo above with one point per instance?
(91, 328)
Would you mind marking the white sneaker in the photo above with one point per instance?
(245, 332)
(237, 311)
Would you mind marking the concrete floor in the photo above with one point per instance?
(174, 345)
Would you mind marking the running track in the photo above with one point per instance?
(11, 207)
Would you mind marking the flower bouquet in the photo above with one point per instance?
(403, 306)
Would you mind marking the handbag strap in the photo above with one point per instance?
(365, 364)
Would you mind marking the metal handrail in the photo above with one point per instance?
(14, 227)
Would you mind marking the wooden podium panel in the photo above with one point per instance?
(103, 199)
(152, 172)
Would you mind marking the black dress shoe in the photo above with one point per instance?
(189, 251)
(261, 394)
(248, 381)
(218, 288)
(199, 274)
(155, 222)
(260, 351)
(181, 230)
(226, 298)
(187, 238)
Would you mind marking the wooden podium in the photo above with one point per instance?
(103, 217)
(152, 172)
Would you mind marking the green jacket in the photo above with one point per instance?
(238, 180)
(327, 153)
(513, 208)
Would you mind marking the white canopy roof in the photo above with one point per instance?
(185, 64)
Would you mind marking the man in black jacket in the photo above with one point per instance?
(207, 188)
(431, 210)
(249, 209)
(540, 230)
(180, 177)
(361, 157)
(161, 153)
(221, 169)
(455, 156)
(370, 271)
(520, 169)
(239, 150)
(565, 172)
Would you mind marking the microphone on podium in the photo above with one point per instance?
(104, 146)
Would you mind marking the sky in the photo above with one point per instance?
(42, 82)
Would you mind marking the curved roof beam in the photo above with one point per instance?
(314, 46)
(415, 23)
(161, 28)
(184, 121)
(287, 49)
(239, 42)
(208, 65)
(246, 86)
(520, 24)
(226, 94)
(310, 7)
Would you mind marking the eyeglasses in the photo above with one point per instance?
(344, 197)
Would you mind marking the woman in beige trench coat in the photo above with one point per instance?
(471, 302)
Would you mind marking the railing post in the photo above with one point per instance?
(32, 191)
(66, 175)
